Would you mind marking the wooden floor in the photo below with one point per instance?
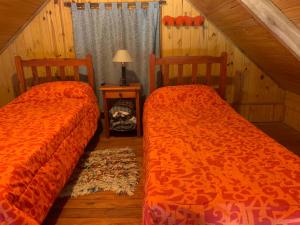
(103, 208)
(107, 208)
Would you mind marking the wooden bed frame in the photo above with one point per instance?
(165, 63)
(61, 64)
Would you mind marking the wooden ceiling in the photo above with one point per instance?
(255, 39)
(290, 8)
(13, 15)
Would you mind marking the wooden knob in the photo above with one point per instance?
(120, 94)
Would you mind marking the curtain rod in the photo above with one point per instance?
(94, 4)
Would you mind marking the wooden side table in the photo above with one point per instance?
(120, 92)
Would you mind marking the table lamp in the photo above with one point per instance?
(122, 56)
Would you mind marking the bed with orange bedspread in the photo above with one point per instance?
(205, 164)
(43, 133)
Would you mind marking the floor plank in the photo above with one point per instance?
(98, 221)
(107, 208)
(104, 213)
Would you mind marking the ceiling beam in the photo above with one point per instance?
(276, 22)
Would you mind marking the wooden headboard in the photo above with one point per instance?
(165, 63)
(61, 64)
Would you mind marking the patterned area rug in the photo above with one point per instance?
(113, 169)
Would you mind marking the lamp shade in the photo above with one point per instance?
(122, 56)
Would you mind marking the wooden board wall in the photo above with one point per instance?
(50, 35)
(291, 9)
(255, 39)
(292, 112)
(13, 15)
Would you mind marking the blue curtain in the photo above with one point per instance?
(102, 32)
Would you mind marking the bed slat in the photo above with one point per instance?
(35, 74)
(89, 65)
(166, 74)
(223, 75)
(194, 73)
(180, 73)
(208, 73)
(62, 72)
(76, 73)
(20, 73)
(48, 73)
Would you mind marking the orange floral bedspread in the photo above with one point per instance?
(205, 164)
(42, 135)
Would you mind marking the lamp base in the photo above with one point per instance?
(123, 81)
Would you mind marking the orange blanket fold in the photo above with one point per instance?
(42, 135)
(205, 164)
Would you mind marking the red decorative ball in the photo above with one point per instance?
(168, 21)
(179, 21)
(198, 20)
(188, 21)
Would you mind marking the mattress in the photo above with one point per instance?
(205, 164)
(43, 133)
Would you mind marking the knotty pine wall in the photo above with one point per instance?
(292, 112)
(50, 35)
(292, 101)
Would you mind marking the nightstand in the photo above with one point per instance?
(121, 92)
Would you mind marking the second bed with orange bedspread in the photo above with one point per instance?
(42, 135)
(205, 164)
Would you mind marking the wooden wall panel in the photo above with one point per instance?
(292, 113)
(258, 43)
(291, 9)
(50, 35)
(13, 15)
